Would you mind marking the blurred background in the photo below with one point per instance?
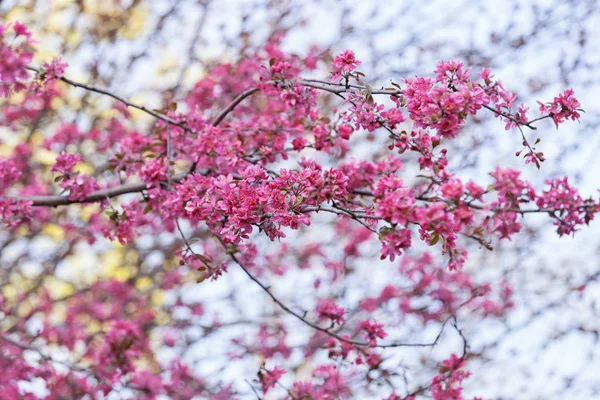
(153, 52)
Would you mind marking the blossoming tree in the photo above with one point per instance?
(256, 174)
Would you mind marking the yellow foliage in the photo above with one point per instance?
(115, 271)
(43, 55)
(143, 283)
(56, 22)
(22, 282)
(16, 14)
(121, 274)
(113, 257)
(58, 313)
(81, 268)
(9, 292)
(108, 114)
(86, 211)
(168, 62)
(162, 318)
(84, 168)
(157, 297)
(101, 7)
(55, 232)
(22, 231)
(193, 74)
(139, 115)
(45, 157)
(74, 102)
(73, 38)
(93, 326)
(37, 138)
(63, 3)
(132, 256)
(24, 308)
(135, 24)
(6, 151)
(119, 265)
(17, 98)
(57, 102)
(58, 288)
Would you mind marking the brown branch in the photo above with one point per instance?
(511, 118)
(103, 194)
(339, 88)
(288, 310)
(98, 195)
(239, 98)
(118, 98)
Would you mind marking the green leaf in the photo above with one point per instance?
(384, 231)
(232, 250)
(368, 92)
(298, 200)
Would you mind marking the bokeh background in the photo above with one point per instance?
(152, 52)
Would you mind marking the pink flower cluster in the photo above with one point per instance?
(327, 383)
(444, 292)
(447, 385)
(255, 200)
(443, 103)
(327, 309)
(395, 201)
(365, 113)
(512, 192)
(562, 108)
(55, 69)
(441, 218)
(398, 205)
(268, 378)
(394, 242)
(123, 343)
(372, 331)
(9, 173)
(503, 101)
(13, 213)
(271, 341)
(569, 209)
(343, 64)
(79, 185)
(14, 58)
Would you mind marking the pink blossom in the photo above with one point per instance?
(343, 64)
(14, 60)
(65, 163)
(447, 385)
(394, 242)
(565, 106)
(372, 331)
(268, 378)
(55, 69)
(567, 202)
(327, 309)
